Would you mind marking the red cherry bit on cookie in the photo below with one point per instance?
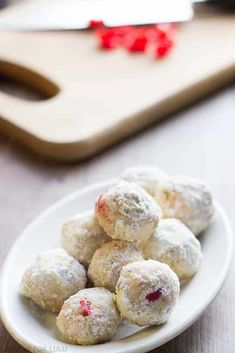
(151, 297)
(86, 307)
(100, 204)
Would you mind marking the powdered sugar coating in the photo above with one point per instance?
(96, 325)
(187, 199)
(107, 262)
(127, 212)
(145, 176)
(82, 235)
(147, 292)
(51, 278)
(174, 244)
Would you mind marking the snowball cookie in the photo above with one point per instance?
(82, 235)
(107, 262)
(147, 292)
(187, 199)
(174, 244)
(88, 317)
(145, 176)
(52, 278)
(127, 212)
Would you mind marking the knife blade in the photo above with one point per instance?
(38, 15)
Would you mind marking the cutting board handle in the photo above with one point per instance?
(18, 111)
(29, 78)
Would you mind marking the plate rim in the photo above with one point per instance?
(142, 346)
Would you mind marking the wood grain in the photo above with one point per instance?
(198, 142)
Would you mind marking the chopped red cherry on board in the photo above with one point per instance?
(137, 41)
(151, 297)
(136, 38)
(165, 31)
(110, 38)
(95, 23)
(107, 39)
(86, 307)
(163, 48)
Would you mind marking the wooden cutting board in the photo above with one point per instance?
(98, 98)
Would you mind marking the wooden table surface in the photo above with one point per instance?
(199, 142)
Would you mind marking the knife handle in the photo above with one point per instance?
(227, 4)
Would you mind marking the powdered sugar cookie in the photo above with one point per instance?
(187, 199)
(147, 292)
(145, 176)
(107, 262)
(174, 244)
(52, 278)
(127, 212)
(82, 235)
(88, 317)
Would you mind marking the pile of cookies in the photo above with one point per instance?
(125, 259)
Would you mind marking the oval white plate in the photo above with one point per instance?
(35, 329)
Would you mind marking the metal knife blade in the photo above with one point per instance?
(37, 15)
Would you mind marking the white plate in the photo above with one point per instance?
(35, 329)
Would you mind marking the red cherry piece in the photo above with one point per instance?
(136, 40)
(152, 33)
(160, 32)
(100, 204)
(161, 51)
(113, 37)
(138, 45)
(166, 30)
(163, 48)
(95, 23)
(107, 38)
(86, 307)
(151, 297)
(121, 33)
